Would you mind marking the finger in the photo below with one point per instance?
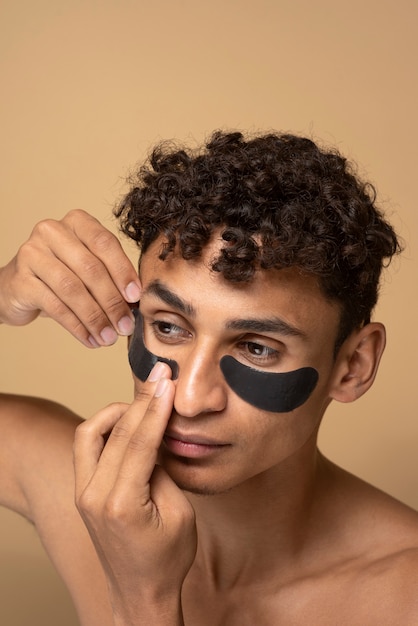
(70, 267)
(169, 499)
(24, 296)
(108, 249)
(124, 433)
(89, 441)
(48, 285)
(141, 453)
(175, 514)
(57, 310)
(65, 292)
(129, 456)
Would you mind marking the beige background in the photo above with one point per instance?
(88, 87)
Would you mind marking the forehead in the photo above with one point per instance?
(293, 296)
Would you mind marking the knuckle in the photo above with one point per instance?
(103, 239)
(68, 285)
(76, 327)
(95, 319)
(114, 304)
(87, 504)
(91, 267)
(45, 228)
(83, 429)
(143, 394)
(74, 214)
(152, 410)
(138, 443)
(26, 256)
(115, 511)
(121, 431)
(118, 513)
(57, 309)
(115, 301)
(182, 516)
(26, 250)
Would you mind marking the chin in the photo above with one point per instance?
(193, 479)
(202, 490)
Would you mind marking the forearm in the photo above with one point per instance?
(26, 423)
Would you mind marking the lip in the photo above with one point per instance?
(191, 446)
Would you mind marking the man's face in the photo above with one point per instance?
(278, 323)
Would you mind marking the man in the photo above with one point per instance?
(206, 500)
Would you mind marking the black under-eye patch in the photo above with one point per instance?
(141, 359)
(269, 391)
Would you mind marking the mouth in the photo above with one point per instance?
(192, 446)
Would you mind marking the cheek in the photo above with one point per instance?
(267, 439)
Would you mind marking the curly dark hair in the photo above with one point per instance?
(279, 200)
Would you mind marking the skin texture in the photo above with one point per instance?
(243, 521)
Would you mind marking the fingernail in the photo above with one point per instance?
(161, 387)
(126, 325)
(132, 292)
(93, 342)
(156, 372)
(108, 335)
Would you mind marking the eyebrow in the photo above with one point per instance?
(270, 325)
(158, 289)
(256, 325)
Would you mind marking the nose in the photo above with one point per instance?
(200, 386)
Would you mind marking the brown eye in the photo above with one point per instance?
(164, 327)
(256, 349)
(169, 332)
(258, 353)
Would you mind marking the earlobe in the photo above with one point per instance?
(357, 362)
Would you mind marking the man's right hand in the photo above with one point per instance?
(74, 271)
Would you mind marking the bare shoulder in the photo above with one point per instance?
(392, 569)
(35, 447)
(21, 405)
(384, 589)
(380, 567)
(378, 517)
(35, 411)
(364, 568)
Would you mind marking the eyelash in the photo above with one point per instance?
(248, 349)
(268, 354)
(163, 336)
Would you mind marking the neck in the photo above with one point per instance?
(245, 533)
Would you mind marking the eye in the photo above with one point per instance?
(258, 352)
(168, 332)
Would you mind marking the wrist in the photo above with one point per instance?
(162, 611)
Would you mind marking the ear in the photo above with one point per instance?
(357, 362)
